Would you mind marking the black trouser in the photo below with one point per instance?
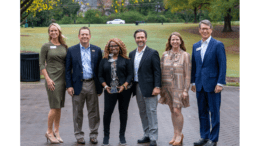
(123, 99)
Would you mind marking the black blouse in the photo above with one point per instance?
(124, 71)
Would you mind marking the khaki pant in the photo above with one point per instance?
(88, 94)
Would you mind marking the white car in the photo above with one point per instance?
(116, 21)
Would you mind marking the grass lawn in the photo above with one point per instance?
(157, 37)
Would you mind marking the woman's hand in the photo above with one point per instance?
(121, 88)
(50, 85)
(108, 89)
(185, 95)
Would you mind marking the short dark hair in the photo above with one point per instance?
(84, 27)
(140, 30)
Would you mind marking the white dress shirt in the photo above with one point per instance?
(138, 57)
(204, 47)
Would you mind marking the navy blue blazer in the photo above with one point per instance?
(212, 70)
(74, 69)
(149, 72)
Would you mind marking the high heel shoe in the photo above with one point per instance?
(172, 141)
(59, 139)
(52, 139)
(179, 143)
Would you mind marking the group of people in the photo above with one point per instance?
(84, 72)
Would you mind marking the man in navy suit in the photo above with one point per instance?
(146, 87)
(207, 77)
(82, 84)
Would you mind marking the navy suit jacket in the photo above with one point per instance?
(74, 69)
(212, 70)
(149, 72)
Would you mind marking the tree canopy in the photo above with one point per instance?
(34, 6)
(180, 5)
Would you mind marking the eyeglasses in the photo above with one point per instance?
(207, 29)
(113, 46)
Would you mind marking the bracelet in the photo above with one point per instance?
(124, 86)
(106, 87)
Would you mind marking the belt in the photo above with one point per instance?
(86, 80)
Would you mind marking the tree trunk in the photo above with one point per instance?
(227, 22)
(195, 14)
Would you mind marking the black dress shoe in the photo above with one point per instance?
(210, 143)
(105, 141)
(122, 140)
(93, 140)
(201, 142)
(153, 143)
(143, 140)
(81, 141)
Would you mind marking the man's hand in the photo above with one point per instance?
(193, 88)
(156, 91)
(218, 89)
(70, 91)
(99, 94)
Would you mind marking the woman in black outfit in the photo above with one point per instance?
(123, 71)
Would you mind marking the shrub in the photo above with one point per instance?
(94, 16)
(65, 20)
(154, 18)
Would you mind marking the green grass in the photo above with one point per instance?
(101, 33)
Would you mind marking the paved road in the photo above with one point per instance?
(34, 110)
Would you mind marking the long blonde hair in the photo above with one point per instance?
(60, 37)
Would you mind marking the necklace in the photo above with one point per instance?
(175, 57)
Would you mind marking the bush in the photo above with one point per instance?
(94, 16)
(131, 16)
(65, 20)
(154, 18)
(128, 16)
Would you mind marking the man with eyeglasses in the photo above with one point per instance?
(208, 76)
(147, 84)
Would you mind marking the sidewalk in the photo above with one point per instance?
(35, 107)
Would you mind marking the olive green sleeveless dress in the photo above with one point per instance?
(54, 56)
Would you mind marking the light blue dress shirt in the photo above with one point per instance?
(86, 62)
(204, 46)
(138, 57)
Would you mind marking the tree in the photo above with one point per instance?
(179, 5)
(227, 8)
(33, 6)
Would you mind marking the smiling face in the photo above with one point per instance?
(54, 32)
(140, 39)
(114, 48)
(205, 31)
(175, 41)
(84, 37)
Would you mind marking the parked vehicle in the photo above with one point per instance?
(116, 21)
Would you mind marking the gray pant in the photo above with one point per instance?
(148, 113)
(88, 94)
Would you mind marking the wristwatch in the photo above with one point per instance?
(106, 86)
(158, 87)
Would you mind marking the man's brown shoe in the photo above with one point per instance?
(81, 141)
(93, 140)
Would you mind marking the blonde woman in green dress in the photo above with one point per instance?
(54, 54)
